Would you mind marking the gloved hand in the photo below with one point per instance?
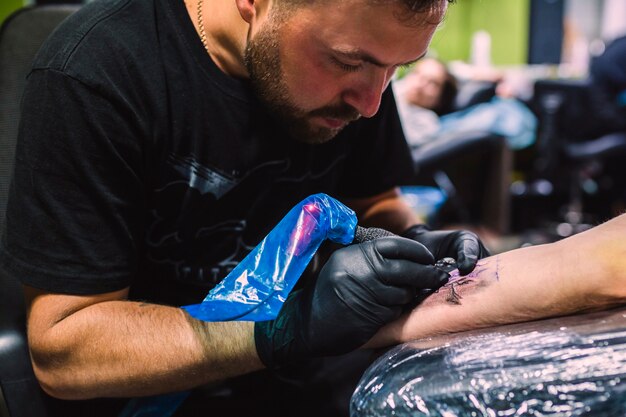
(361, 288)
(462, 245)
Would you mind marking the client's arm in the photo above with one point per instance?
(582, 273)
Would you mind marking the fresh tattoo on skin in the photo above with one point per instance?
(482, 276)
(453, 296)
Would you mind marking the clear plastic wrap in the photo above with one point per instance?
(258, 286)
(571, 366)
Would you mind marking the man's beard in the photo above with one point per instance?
(262, 60)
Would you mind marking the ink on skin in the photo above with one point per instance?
(498, 268)
(453, 297)
(456, 280)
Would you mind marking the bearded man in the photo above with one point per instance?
(161, 140)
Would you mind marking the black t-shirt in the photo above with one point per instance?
(139, 163)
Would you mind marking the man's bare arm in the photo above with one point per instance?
(386, 210)
(582, 273)
(105, 346)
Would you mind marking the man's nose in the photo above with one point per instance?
(365, 93)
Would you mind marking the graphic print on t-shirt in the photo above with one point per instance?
(200, 218)
(201, 178)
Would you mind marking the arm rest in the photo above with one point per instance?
(611, 144)
(431, 155)
(21, 391)
(571, 364)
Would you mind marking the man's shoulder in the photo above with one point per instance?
(102, 35)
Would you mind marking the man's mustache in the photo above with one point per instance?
(340, 112)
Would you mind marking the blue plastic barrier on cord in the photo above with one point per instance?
(257, 288)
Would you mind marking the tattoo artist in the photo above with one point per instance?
(161, 140)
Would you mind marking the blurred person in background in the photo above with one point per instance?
(426, 104)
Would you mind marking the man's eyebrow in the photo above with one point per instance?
(360, 55)
(413, 61)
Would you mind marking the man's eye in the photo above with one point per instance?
(346, 67)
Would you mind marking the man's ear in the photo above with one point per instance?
(247, 9)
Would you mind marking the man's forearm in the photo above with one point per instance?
(123, 349)
(386, 210)
(584, 272)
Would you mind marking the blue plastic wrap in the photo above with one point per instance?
(564, 367)
(258, 286)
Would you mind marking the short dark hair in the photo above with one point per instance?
(449, 90)
(412, 8)
(421, 6)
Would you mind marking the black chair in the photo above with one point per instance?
(573, 146)
(474, 169)
(481, 198)
(473, 92)
(21, 35)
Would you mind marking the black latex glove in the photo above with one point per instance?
(462, 245)
(361, 288)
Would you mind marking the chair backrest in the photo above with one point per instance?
(21, 35)
(473, 92)
(561, 107)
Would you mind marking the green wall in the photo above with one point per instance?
(507, 22)
(9, 6)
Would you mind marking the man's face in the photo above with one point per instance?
(321, 66)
